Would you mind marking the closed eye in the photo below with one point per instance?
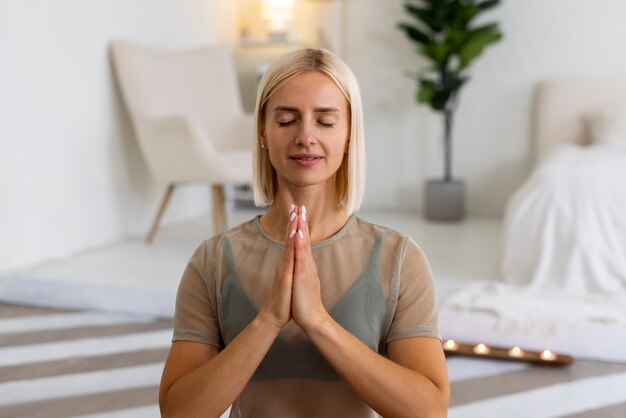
(286, 123)
(326, 124)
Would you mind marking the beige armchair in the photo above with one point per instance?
(186, 111)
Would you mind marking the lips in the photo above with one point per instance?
(306, 160)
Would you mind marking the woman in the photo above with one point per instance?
(307, 310)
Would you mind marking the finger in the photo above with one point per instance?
(291, 221)
(302, 234)
(292, 227)
(286, 265)
(292, 230)
(303, 225)
(302, 241)
(299, 222)
(289, 262)
(305, 271)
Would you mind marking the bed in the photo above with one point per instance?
(562, 278)
(565, 227)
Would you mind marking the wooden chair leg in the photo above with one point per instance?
(157, 220)
(219, 208)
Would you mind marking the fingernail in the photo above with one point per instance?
(300, 234)
(292, 217)
(303, 209)
(291, 234)
(303, 217)
(291, 208)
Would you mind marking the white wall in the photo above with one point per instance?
(71, 176)
(543, 39)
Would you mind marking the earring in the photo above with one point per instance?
(262, 145)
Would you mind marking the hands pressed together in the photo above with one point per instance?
(295, 293)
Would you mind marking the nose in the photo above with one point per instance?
(306, 134)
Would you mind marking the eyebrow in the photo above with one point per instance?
(296, 110)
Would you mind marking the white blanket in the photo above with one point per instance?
(524, 310)
(564, 256)
(565, 228)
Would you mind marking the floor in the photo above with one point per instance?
(62, 363)
(68, 360)
(125, 272)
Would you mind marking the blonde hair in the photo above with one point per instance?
(351, 174)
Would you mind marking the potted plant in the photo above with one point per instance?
(447, 37)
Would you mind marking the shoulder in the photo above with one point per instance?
(388, 235)
(213, 246)
(392, 240)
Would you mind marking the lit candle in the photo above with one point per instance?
(547, 355)
(516, 352)
(481, 349)
(451, 345)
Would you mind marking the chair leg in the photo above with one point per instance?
(219, 208)
(157, 220)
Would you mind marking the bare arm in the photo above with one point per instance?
(412, 382)
(198, 380)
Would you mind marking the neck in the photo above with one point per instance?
(325, 215)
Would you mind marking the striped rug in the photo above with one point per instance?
(56, 363)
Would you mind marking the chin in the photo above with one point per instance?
(306, 181)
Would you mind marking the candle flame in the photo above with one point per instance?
(451, 345)
(481, 349)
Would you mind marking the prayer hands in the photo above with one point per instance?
(307, 309)
(296, 293)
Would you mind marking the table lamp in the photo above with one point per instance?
(279, 14)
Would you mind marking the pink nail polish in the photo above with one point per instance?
(292, 208)
(292, 233)
(303, 209)
(303, 217)
(300, 234)
(292, 217)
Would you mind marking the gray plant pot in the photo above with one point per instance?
(445, 200)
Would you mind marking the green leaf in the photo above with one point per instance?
(476, 42)
(440, 100)
(446, 39)
(438, 52)
(442, 15)
(454, 13)
(453, 82)
(414, 33)
(426, 91)
(467, 14)
(455, 39)
(436, 95)
(428, 17)
(488, 4)
(421, 14)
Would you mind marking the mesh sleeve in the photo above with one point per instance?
(416, 309)
(195, 317)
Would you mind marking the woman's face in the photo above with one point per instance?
(306, 129)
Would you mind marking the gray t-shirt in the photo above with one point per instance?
(375, 282)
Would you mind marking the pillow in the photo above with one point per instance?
(607, 124)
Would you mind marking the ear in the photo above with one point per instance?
(260, 129)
